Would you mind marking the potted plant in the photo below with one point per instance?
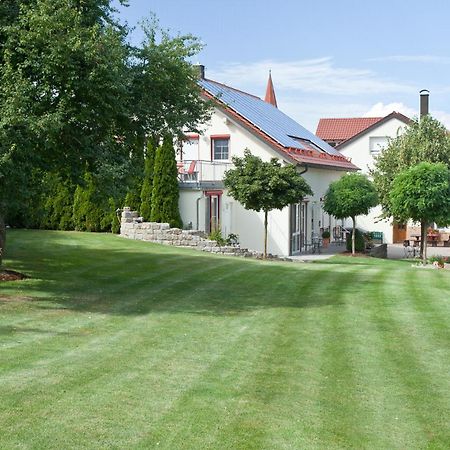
(325, 238)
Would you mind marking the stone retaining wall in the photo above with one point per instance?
(133, 227)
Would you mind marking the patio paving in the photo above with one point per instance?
(395, 251)
(325, 253)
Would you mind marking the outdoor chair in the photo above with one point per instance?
(316, 243)
(338, 234)
(191, 174)
(409, 250)
(187, 175)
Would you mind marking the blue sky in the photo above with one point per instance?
(328, 58)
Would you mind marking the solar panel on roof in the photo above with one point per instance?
(266, 117)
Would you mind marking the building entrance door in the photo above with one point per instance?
(213, 210)
(398, 232)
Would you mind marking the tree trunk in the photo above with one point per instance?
(353, 236)
(2, 238)
(265, 234)
(423, 227)
(423, 243)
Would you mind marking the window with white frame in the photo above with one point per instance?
(220, 148)
(377, 144)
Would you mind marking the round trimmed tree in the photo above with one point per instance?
(263, 186)
(422, 193)
(424, 140)
(350, 196)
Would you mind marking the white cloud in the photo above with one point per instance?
(443, 117)
(380, 110)
(432, 59)
(318, 75)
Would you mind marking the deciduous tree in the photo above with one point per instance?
(264, 186)
(424, 140)
(75, 96)
(422, 193)
(350, 196)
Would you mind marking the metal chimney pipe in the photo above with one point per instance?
(424, 102)
(200, 70)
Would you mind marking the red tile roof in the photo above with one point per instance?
(342, 129)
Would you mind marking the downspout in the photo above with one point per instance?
(198, 208)
(290, 218)
(305, 168)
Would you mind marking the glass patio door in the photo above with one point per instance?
(298, 228)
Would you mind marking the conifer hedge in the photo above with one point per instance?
(165, 192)
(147, 184)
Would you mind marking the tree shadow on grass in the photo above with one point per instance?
(12, 330)
(137, 278)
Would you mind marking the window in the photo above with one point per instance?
(190, 148)
(377, 144)
(220, 148)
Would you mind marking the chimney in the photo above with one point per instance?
(200, 70)
(424, 100)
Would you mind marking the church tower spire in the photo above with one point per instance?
(270, 92)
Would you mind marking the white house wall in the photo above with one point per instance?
(240, 138)
(359, 149)
(249, 225)
(359, 152)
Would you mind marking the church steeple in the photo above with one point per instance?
(270, 92)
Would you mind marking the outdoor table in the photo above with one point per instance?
(433, 238)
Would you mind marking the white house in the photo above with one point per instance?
(243, 121)
(362, 139)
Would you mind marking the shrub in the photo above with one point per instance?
(326, 234)
(439, 259)
(359, 241)
(232, 239)
(216, 235)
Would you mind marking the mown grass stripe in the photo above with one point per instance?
(199, 351)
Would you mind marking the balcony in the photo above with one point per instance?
(198, 172)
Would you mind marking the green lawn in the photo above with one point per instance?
(121, 344)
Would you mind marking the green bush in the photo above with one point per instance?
(132, 200)
(360, 244)
(216, 235)
(165, 192)
(90, 207)
(441, 260)
(147, 184)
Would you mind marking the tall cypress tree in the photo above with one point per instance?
(165, 192)
(147, 185)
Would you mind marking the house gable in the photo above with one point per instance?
(365, 147)
(370, 129)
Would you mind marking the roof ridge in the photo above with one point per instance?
(351, 118)
(232, 88)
